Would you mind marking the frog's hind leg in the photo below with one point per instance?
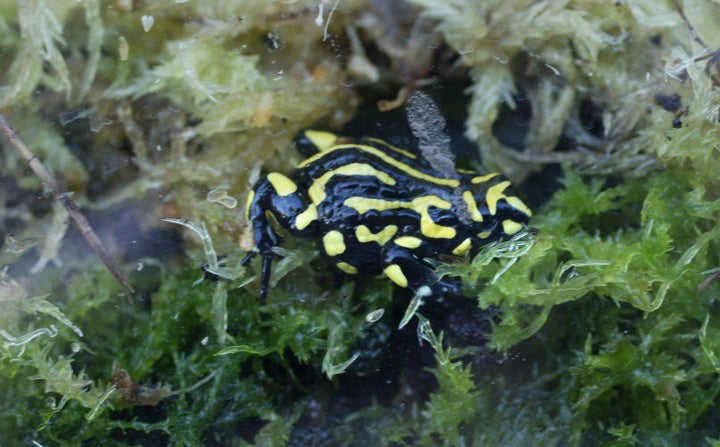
(277, 196)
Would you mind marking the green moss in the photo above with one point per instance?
(39, 346)
(453, 404)
(644, 359)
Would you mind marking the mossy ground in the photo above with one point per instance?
(600, 327)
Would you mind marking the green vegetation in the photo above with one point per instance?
(607, 329)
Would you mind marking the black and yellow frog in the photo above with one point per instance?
(374, 207)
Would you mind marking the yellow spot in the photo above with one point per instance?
(484, 234)
(396, 275)
(518, 205)
(432, 230)
(463, 247)
(419, 204)
(472, 206)
(305, 218)
(333, 243)
(347, 268)
(248, 204)
(494, 194)
(317, 189)
(483, 178)
(408, 242)
(511, 227)
(282, 185)
(403, 167)
(322, 140)
(497, 192)
(364, 234)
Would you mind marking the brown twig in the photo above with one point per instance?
(708, 281)
(66, 200)
(713, 57)
(696, 37)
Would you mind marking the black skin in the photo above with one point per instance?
(370, 258)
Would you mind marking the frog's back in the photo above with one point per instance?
(372, 207)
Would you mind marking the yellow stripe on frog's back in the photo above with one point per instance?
(316, 191)
(364, 204)
(393, 148)
(386, 159)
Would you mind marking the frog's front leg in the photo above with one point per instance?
(278, 196)
(406, 269)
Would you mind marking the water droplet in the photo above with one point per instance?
(221, 197)
(147, 22)
(71, 115)
(272, 41)
(375, 315)
(123, 48)
(98, 122)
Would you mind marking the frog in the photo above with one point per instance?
(374, 208)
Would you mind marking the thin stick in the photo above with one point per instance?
(696, 37)
(66, 200)
(708, 281)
